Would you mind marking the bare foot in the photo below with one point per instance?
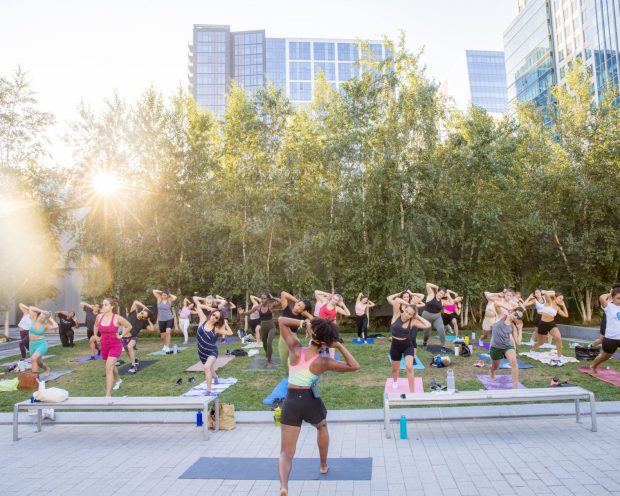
(593, 370)
(324, 469)
(269, 365)
(492, 374)
(283, 492)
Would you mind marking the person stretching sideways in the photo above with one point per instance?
(303, 402)
(610, 302)
(503, 343)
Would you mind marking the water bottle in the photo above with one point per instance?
(21, 366)
(466, 340)
(456, 350)
(473, 336)
(175, 349)
(41, 385)
(276, 416)
(199, 418)
(450, 379)
(403, 427)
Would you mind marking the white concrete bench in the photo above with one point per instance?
(503, 396)
(126, 403)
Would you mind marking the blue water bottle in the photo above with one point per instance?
(199, 418)
(403, 427)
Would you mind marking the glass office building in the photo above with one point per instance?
(528, 48)
(487, 80)
(588, 29)
(219, 56)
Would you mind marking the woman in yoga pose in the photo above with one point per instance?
(404, 329)
(433, 309)
(538, 300)
(292, 308)
(400, 301)
(91, 317)
(303, 402)
(610, 302)
(108, 324)
(451, 311)
(555, 306)
(138, 317)
(331, 306)
(66, 323)
(503, 344)
(265, 308)
(361, 315)
(490, 315)
(24, 326)
(41, 322)
(185, 315)
(165, 317)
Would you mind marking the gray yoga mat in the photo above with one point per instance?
(163, 353)
(267, 469)
(143, 364)
(54, 375)
(259, 364)
(436, 348)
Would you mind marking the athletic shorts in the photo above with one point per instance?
(401, 348)
(38, 346)
(545, 327)
(165, 324)
(498, 353)
(128, 340)
(610, 345)
(111, 347)
(300, 405)
(447, 317)
(254, 323)
(603, 326)
(487, 323)
(537, 320)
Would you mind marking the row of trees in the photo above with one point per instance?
(378, 187)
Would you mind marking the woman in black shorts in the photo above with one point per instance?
(555, 306)
(404, 328)
(303, 402)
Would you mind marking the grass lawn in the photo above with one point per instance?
(362, 389)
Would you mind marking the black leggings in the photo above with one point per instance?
(66, 337)
(362, 326)
(267, 333)
(24, 342)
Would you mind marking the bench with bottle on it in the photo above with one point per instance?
(533, 395)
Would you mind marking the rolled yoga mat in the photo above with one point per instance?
(403, 385)
(609, 376)
(500, 382)
(416, 365)
(250, 468)
(278, 392)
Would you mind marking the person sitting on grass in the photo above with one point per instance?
(503, 344)
(303, 402)
(206, 336)
(610, 302)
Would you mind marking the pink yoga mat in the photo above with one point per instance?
(403, 385)
(500, 382)
(610, 376)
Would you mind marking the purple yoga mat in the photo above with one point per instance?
(610, 376)
(485, 346)
(226, 340)
(86, 358)
(500, 382)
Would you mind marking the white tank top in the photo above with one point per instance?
(539, 306)
(612, 312)
(25, 323)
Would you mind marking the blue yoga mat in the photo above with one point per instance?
(278, 392)
(251, 468)
(448, 338)
(504, 363)
(416, 365)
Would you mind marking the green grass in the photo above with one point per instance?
(362, 389)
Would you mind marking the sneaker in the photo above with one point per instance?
(191, 380)
(164, 349)
(137, 362)
(180, 381)
(117, 385)
(216, 380)
(132, 370)
(480, 343)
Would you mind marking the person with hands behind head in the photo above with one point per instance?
(293, 308)
(41, 322)
(362, 304)
(554, 306)
(265, 307)
(331, 306)
(165, 317)
(303, 402)
(91, 317)
(138, 317)
(610, 303)
(503, 341)
(185, 315)
(66, 323)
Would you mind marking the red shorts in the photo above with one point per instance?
(111, 347)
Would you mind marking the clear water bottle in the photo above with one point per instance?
(450, 380)
(175, 349)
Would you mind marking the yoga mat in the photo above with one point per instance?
(448, 338)
(251, 468)
(547, 357)
(326, 355)
(191, 340)
(500, 382)
(86, 358)
(416, 365)
(249, 346)
(278, 392)
(227, 340)
(219, 362)
(609, 376)
(504, 363)
(55, 374)
(123, 370)
(160, 353)
(361, 341)
(484, 345)
(259, 364)
(9, 365)
(201, 389)
(403, 385)
(435, 348)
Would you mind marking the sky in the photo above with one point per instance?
(84, 50)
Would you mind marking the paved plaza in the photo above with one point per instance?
(543, 456)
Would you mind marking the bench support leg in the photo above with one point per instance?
(386, 418)
(15, 423)
(593, 412)
(217, 413)
(577, 410)
(205, 422)
(39, 419)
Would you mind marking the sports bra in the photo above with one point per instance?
(548, 310)
(360, 309)
(300, 375)
(433, 306)
(328, 313)
(268, 315)
(36, 332)
(107, 330)
(539, 306)
(399, 330)
(450, 308)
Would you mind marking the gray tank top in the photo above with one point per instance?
(164, 311)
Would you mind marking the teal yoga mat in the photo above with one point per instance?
(417, 364)
(504, 364)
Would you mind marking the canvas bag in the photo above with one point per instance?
(28, 381)
(227, 417)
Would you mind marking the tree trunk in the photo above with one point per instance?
(589, 304)
(6, 324)
(269, 253)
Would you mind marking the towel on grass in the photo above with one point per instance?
(549, 358)
(201, 389)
